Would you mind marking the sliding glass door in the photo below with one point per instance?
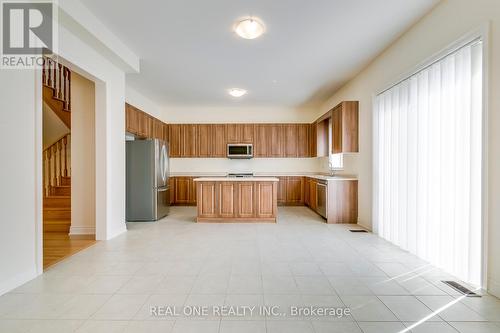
(428, 163)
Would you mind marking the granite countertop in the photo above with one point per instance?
(236, 179)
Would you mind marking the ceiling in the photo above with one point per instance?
(191, 56)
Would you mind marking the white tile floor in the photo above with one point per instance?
(299, 261)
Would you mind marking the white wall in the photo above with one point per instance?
(82, 156)
(19, 200)
(135, 98)
(53, 127)
(21, 132)
(449, 21)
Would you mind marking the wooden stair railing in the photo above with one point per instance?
(56, 164)
(58, 78)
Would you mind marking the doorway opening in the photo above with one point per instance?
(68, 162)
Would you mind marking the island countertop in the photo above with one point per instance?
(236, 179)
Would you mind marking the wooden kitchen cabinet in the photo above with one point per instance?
(131, 119)
(268, 140)
(207, 198)
(219, 140)
(175, 140)
(171, 187)
(204, 139)
(189, 144)
(306, 191)
(184, 193)
(281, 194)
(240, 133)
(246, 200)
(294, 190)
(313, 149)
(303, 140)
(343, 201)
(157, 129)
(290, 140)
(313, 185)
(226, 196)
(345, 128)
(265, 193)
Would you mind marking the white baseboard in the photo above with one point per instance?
(369, 228)
(77, 230)
(494, 288)
(17, 281)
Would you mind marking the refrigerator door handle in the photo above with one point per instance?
(162, 189)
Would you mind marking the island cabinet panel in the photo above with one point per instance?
(206, 195)
(175, 140)
(295, 190)
(246, 199)
(189, 142)
(265, 199)
(226, 195)
(236, 201)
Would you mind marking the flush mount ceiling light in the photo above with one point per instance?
(249, 28)
(236, 92)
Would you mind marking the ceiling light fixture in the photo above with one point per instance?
(237, 92)
(249, 28)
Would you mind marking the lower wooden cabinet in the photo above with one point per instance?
(236, 200)
(342, 199)
(291, 191)
(246, 199)
(182, 191)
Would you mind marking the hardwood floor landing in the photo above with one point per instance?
(59, 245)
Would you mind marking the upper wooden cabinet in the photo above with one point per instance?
(131, 119)
(219, 140)
(296, 140)
(345, 128)
(204, 140)
(157, 129)
(291, 140)
(211, 140)
(240, 133)
(313, 149)
(268, 140)
(143, 125)
(175, 140)
(189, 145)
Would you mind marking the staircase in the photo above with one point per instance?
(57, 186)
(56, 80)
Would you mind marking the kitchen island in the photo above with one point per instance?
(235, 199)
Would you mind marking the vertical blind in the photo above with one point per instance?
(428, 163)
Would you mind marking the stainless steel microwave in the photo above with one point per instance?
(239, 150)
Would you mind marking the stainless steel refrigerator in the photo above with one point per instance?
(147, 172)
